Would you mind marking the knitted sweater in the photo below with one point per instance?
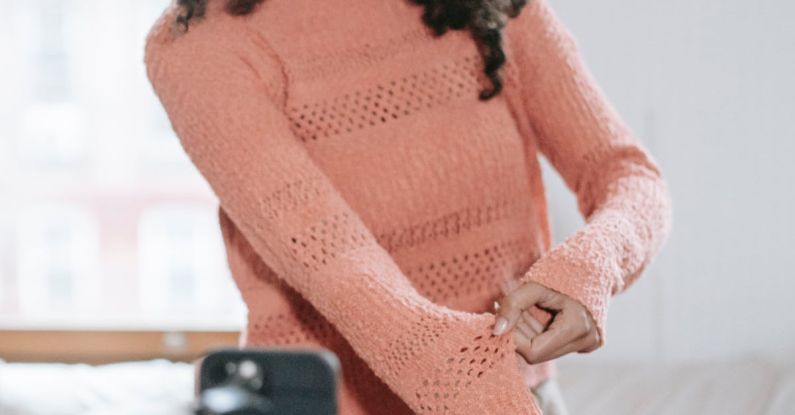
(372, 205)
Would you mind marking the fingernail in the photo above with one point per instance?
(500, 326)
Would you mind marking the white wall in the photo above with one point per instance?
(708, 86)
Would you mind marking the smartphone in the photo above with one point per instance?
(272, 380)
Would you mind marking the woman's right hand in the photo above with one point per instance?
(570, 328)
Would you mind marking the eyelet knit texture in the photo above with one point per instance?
(372, 205)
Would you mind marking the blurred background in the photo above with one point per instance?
(106, 224)
(110, 249)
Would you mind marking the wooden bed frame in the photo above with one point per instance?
(108, 346)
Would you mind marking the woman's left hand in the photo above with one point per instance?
(572, 329)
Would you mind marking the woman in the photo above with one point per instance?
(376, 164)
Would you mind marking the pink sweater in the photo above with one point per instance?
(372, 205)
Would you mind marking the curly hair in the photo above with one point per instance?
(485, 20)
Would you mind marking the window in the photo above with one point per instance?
(105, 222)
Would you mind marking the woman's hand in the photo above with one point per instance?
(572, 329)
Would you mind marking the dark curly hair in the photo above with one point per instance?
(484, 18)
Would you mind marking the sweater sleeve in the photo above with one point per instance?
(230, 122)
(619, 187)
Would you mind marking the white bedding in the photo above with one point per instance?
(752, 385)
(156, 387)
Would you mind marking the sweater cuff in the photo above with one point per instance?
(572, 268)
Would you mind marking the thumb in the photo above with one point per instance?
(511, 306)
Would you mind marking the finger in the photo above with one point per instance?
(564, 329)
(522, 343)
(517, 300)
(508, 285)
(534, 323)
(525, 328)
